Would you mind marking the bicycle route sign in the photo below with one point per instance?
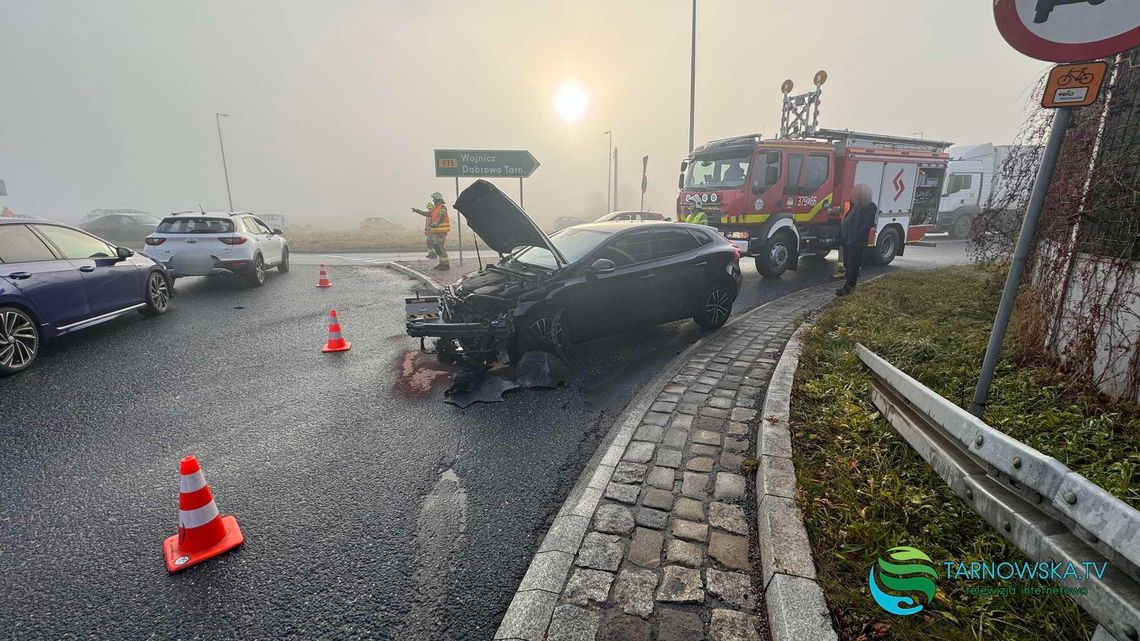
(1074, 85)
(484, 163)
(1069, 30)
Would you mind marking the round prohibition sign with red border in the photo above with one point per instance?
(1069, 30)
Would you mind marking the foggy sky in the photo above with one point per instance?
(336, 106)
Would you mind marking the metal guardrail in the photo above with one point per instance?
(1049, 512)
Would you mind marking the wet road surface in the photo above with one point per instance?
(370, 508)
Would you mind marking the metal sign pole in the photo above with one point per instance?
(1024, 240)
(521, 206)
(458, 222)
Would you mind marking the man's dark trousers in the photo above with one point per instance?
(852, 260)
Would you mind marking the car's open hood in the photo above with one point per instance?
(499, 221)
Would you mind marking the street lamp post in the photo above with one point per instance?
(693, 76)
(609, 170)
(218, 119)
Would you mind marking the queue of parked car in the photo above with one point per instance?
(56, 279)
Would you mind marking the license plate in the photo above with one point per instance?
(422, 308)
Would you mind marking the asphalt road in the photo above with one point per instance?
(370, 508)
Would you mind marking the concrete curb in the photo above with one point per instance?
(529, 614)
(434, 284)
(797, 610)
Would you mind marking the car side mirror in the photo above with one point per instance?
(123, 252)
(278, 231)
(602, 266)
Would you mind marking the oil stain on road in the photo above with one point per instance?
(419, 374)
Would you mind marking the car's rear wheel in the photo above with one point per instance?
(715, 306)
(283, 266)
(157, 295)
(19, 340)
(257, 274)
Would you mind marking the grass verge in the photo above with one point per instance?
(863, 489)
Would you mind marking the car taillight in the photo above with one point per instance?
(735, 254)
(233, 240)
(154, 241)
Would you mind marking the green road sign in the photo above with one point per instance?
(484, 163)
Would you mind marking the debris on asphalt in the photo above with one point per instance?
(542, 369)
(486, 389)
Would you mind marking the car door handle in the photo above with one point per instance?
(701, 264)
(87, 268)
(648, 276)
(19, 275)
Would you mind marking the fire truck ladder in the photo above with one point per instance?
(860, 139)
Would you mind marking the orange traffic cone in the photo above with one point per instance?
(323, 281)
(336, 341)
(202, 532)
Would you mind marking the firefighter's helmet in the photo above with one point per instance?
(437, 197)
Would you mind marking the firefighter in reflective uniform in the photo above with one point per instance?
(696, 216)
(437, 227)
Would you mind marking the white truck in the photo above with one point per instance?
(973, 178)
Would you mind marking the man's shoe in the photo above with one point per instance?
(430, 256)
(843, 291)
(442, 267)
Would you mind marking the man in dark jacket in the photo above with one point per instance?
(853, 231)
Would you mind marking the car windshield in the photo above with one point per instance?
(196, 225)
(723, 170)
(572, 243)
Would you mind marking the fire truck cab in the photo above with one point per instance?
(779, 199)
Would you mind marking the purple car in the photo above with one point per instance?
(55, 279)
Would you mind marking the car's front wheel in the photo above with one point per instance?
(157, 295)
(257, 274)
(545, 331)
(283, 266)
(715, 306)
(19, 340)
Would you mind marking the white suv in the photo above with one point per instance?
(200, 243)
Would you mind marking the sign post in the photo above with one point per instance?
(1056, 31)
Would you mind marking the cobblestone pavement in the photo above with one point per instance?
(669, 552)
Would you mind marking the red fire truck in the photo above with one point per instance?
(779, 199)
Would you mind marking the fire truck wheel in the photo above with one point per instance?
(886, 247)
(776, 256)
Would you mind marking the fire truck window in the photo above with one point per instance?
(795, 163)
(817, 167)
(726, 171)
(768, 171)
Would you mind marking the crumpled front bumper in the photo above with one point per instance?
(425, 318)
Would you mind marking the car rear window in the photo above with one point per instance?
(194, 225)
(19, 245)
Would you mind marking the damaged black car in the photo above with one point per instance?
(581, 283)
